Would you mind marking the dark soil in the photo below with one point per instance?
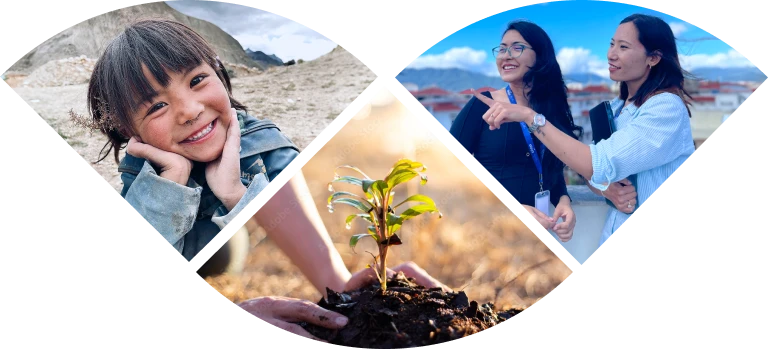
(408, 315)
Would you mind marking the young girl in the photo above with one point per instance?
(195, 157)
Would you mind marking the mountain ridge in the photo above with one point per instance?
(90, 37)
(456, 79)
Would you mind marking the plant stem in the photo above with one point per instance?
(383, 267)
(382, 213)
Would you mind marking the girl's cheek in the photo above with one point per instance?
(156, 137)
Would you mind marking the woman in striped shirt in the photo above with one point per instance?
(653, 131)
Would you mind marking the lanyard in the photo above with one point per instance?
(531, 148)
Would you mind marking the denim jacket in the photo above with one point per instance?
(190, 216)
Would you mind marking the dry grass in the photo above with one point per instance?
(478, 246)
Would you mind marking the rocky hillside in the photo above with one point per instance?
(88, 38)
(261, 57)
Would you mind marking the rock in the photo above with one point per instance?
(62, 72)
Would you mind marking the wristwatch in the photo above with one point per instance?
(538, 121)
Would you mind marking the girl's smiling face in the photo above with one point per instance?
(189, 116)
(627, 57)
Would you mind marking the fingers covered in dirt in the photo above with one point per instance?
(364, 278)
(412, 270)
(283, 312)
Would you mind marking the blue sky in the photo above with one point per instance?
(581, 32)
(259, 30)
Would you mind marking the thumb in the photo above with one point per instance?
(558, 211)
(543, 216)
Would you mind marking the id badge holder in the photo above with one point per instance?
(542, 201)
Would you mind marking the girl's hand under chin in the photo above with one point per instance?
(172, 166)
(223, 174)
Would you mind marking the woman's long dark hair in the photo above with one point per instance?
(666, 76)
(547, 93)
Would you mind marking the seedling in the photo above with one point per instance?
(377, 208)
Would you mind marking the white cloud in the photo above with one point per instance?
(572, 60)
(678, 28)
(458, 57)
(580, 60)
(260, 30)
(575, 60)
(287, 46)
(730, 59)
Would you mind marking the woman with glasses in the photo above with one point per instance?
(526, 61)
(651, 116)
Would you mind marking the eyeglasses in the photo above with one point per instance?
(514, 51)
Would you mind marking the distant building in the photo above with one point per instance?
(442, 104)
(445, 112)
(467, 94)
(712, 103)
(410, 86)
(581, 100)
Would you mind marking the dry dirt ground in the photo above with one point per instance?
(301, 99)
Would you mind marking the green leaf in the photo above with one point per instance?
(354, 169)
(380, 187)
(365, 216)
(401, 176)
(418, 198)
(423, 179)
(403, 164)
(348, 179)
(355, 238)
(372, 230)
(394, 222)
(374, 189)
(340, 193)
(366, 184)
(417, 210)
(354, 203)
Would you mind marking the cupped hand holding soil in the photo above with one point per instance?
(284, 312)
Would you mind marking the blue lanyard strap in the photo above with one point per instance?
(529, 140)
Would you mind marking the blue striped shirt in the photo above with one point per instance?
(652, 140)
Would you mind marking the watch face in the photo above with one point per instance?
(538, 120)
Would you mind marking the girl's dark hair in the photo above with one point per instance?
(547, 92)
(118, 85)
(666, 76)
